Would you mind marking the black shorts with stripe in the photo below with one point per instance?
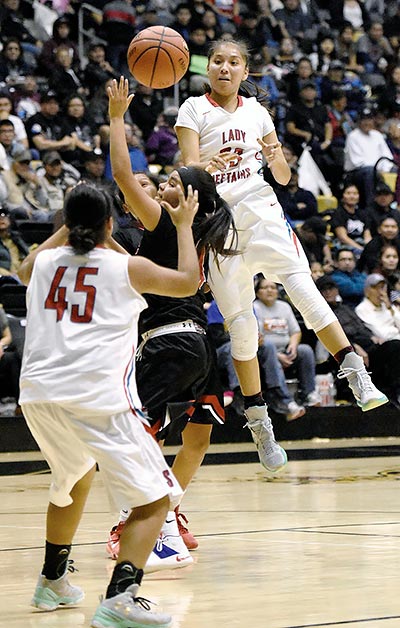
(177, 377)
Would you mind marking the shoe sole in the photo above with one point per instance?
(42, 606)
(184, 562)
(374, 403)
(297, 415)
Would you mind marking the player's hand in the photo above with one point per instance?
(186, 210)
(119, 98)
(218, 162)
(270, 151)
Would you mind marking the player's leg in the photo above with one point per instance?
(316, 312)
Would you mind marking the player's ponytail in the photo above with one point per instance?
(86, 210)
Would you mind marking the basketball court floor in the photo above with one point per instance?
(316, 545)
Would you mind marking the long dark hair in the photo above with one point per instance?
(86, 210)
(213, 222)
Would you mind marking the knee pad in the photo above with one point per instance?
(243, 330)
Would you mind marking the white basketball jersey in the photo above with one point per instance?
(81, 332)
(235, 134)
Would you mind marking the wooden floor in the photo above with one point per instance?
(317, 545)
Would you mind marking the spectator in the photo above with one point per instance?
(13, 67)
(278, 326)
(380, 357)
(56, 178)
(293, 21)
(391, 96)
(351, 86)
(8, 141)
(341, 121)
(387, 233)
(252, 33)
(376, 310)
(93, 172)
(10, 364)
(307, 122)
(349, 11)
(182, 22)
(44, 128)
(98, 70)
(25, 195)
(78, 125)
(325, 56)
(349, 280)
(312, 235)
(388, 265)
(27, 98)
(64, 79)
(284, 62)
(119, 19)
(346, 48)
(382, 207)
(316, 270)
(12, 25)
(349, 222)
(303, 73)
(13, 249)
(6, 106)
(227, 12)
(299, 204)
(145, 109)
(162, 144)
(364, 146)
(61, 37)
(210, 23)
(137, 156)
(374, 53)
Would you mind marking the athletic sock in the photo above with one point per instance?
(55, 560)
(123, 516)
(340, 355)
(253, 400)
(124, 575)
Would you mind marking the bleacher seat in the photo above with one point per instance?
(17, 326)
(326, 202)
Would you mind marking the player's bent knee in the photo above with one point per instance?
(243, 331)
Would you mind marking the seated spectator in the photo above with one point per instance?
(210, 22)
(341, 121)
(118, 29)
(299, 204)
(56, 178)
(6, 106)
(64, 79)
(382, 207)
(303, 73)
(337, 80)
(317, 270)
(273, 379)
(145, 109)
(61, 37)
(78, 125)
(387, 233)
(94, 172)
(44, 128)
(13, 249)
(390, 97)
(380, 356)
(312, 235)
(251, 31)
(27, 98)
(183, 19)
(13, 67)
(349, 11)
(388, 265)
(97, 110)
(294, 22)
(136, 154)
(12, 25)
(348, 279)
(346, 48)
(364, 146)
(98, 70)
(374, 53)
(162, 144)
(9, 142)
(376, 310)
(349, 222)
(325, 54)
(10, 364)
(26, 198)
(278, 327)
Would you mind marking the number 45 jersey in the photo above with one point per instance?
(81, 332)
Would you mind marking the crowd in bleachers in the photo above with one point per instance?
(332, 74)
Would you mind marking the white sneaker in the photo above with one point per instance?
(313, 399)
(295, 411)
(272, 456)
(126, 609)
(170, 551)
(50, 594)
(366, 394)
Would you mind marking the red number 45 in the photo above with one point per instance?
(57, 297)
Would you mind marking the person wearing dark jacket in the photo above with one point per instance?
(299, 203)
(13, 249)
(388, 233)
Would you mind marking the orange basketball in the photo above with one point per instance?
(158, 57)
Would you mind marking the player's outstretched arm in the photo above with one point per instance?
(147, 277)
(146, 209)
(57, 239)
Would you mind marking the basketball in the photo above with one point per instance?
(158, 57)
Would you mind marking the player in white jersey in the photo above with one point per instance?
(230, 136)
(78, 393)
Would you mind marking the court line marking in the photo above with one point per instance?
(348, 621)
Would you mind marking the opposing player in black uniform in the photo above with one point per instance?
(176, 373)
